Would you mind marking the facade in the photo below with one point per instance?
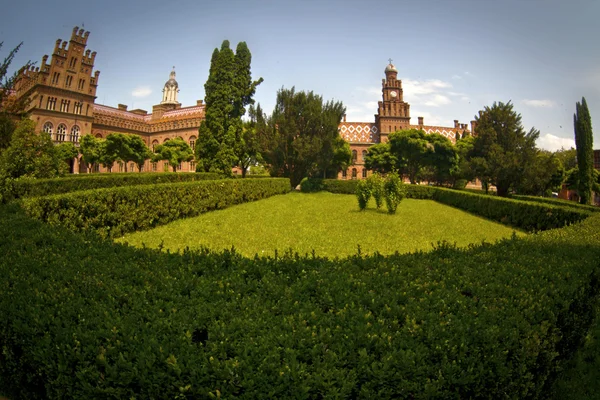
(62, 102)
(393, 114)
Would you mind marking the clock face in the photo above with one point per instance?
(393, 93)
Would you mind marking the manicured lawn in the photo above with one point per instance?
(331, 224)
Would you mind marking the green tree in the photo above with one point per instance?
(301, 132)
(464, 147)
(544, 175)
(30, 154)
(228, 90)
(247, 147)
(175, 151)
(443, 159)
(584, 138)
(90, 148)
(117, 147)
(502, 150)
(567, 157)
(412, 151)
(380, 158)
(140, 152)
(66, 152)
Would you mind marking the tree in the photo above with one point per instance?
(117, 147)
(584, 138)
(140, 152)
(90, 149)
(229, 89)
(412, 151)
(567, 157)
(175, 151)
(544, 175)
(300, 133)
(443, 159)
(30, 154)
(502, 150)
(380, 159)
(247, 146)
(66, 152)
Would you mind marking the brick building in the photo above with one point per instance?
(62, 95)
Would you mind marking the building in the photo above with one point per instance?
(62, 102)
(393, 114)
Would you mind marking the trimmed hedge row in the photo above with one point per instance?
(526, 215)
(114, 211)
(556, 202)
(87, 319)
(27, 187)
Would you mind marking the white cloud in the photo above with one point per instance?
(437, 100)
(361, 112)
(539, 103)
(416, 88)
(141, 91)
(428, 118)
(456, 77)
(552, 142)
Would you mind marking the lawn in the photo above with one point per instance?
(331, 224)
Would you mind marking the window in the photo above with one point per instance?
(344, 174)
(364, 155)
(354, 173)
(68, 81)
(61, 132)
(96, 168)
(99, 135)
(72, 62)
(354, 156)
(81, 84)
(154, 144)
(154, 167)
(75, 134)
(64, 105)
(48, 127)
(364, 173)
(51, 103)
(78, 107)
(131, 167)
(193, 142)
(55, 78)
(179, 167)
(192, 166)
(166, 166)
(41, 99)
(141, 168)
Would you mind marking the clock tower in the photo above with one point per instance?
(393, 113)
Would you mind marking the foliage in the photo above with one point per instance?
(411, 149)
(175, 151)
(83, 318)
(73, 183)
(90, 148)
(330, 185)
(66, 152)
(394, 192)
(376, 183)
(585, 151)
(7, 127)
(380, 159)
(557, 202)
(330, 225)
(247, 149)
(222, 139)
(141, 152)
(301, 138)
(123, 148)
(30, 154)
(502, 150)
(567, 157)
(114, 211)
(363, 194)
(544, 175)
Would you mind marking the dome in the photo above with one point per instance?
(172, 83)
(390, 68)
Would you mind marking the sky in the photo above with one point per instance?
(454, 57)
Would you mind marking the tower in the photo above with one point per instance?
(170, 90)
(393, 113)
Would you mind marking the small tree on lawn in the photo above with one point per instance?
(585, 151)
(91, 150)
(140, 152)
(363, 194)
(175, 151)
(66, 152)
(375, 182)
(394, 192)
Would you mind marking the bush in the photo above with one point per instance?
(460, 184)
(329, 185)
(114, 211)
(363, 194)
(29, 187)
(375, 182)
(394, 192)
(88, 319)
(557, 202)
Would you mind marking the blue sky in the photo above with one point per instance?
(453, 56)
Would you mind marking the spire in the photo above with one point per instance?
(170, 90)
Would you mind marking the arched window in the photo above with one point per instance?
(354, 173)
(75, 134)
(344, 174)
(193, 142)
(154, 144)
(61, 132)
(166, 140)
(98, 135)
(48, 127)
(364, 155)
(364, 173)
(354, 156)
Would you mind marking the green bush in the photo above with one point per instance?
(363, 194)
(557, 202)
(114, 211)
(375, 182)
(28, 187)
(329, 185)
(394, 192)
(88, 319)
(460, 184)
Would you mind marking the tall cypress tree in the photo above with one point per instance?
(585, 151)
(228, 90)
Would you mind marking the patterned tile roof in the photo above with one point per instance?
(359, 132)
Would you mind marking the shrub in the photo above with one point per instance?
(375, 182)
(330, 185)
(394, 192)
(363, 194)
(84, 318)
(114, 211)
(460, 184)
(28, 187)
(557, 202)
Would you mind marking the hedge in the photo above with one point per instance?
(557, 202)
(526, 215)
(27, 187)
(86, 319)
(114, 211)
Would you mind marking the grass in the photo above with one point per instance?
(331, 224)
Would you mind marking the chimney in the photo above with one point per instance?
(455, 124)
(473, 127)
(420, 121)
(344, 119)
(199, 102)
(122, 107)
